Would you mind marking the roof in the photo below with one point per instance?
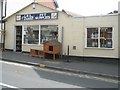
(80, 16)
(54, 42)
(116, 14)
(48, 3)
(72, 14)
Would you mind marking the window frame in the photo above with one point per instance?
(99, 47)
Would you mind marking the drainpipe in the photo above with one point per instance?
(1, 14)
(4, 24)
(68, 50)
(62, 38)
(3, 4)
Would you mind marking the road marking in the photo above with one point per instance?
(16, 64)
(6, 85)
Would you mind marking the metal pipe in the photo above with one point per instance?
(4, 25)
(68, 51)
(62, 36)
(68, 54)
(3, 4)
(4, 37)
(1, 25)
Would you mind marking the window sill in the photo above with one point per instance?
(32, 44)
(99, 48)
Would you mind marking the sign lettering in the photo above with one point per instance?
(37, 16)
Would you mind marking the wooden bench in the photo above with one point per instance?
(41, 54)
(37, 53)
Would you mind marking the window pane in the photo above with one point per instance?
(49, 32)
(106, 37)
(31, 35)
(92, 37)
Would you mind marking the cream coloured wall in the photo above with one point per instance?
(9, 34)
(103, 21)
(26, 48)
(73, 36)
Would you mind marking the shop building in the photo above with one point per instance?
(92, 36)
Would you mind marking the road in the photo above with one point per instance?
(23, 76)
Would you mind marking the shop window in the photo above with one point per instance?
(49, 32)
(100, 37)
(106, 37)
(31, 34)
(92, 37)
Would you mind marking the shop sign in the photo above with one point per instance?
(37, 16)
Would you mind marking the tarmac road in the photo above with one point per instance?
(24, 76)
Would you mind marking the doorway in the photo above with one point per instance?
(18, 38)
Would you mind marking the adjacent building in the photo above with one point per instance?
(91, 36)
(119, 26)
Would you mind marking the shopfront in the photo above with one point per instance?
(95, 36)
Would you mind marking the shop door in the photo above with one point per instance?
(18, 38)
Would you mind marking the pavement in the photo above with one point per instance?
(81, 66)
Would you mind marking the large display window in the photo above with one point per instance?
(31, 35)
(38, 34)
(48, 32)
(101, 37)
